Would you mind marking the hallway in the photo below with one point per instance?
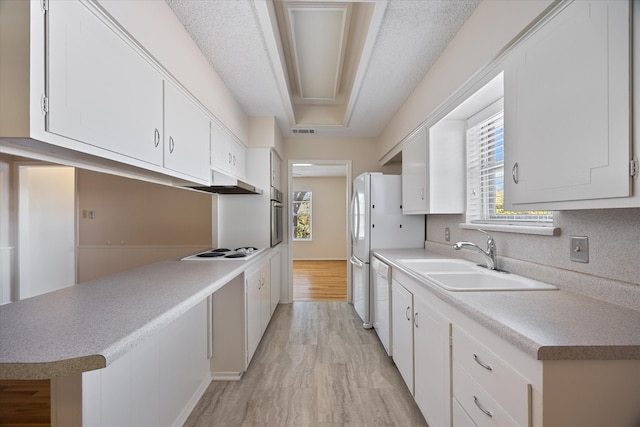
(315, 366)
(319, 280)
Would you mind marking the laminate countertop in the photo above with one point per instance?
(90, 325)
(545, 324)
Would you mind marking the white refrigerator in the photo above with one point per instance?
(376, 222)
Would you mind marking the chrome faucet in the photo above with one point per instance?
(490, 255)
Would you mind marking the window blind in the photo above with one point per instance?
(485, 174)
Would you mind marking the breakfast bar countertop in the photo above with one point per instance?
(88, 326)
(545, 324)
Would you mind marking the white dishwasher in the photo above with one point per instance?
(381, 274)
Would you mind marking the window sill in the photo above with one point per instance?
(521, 229)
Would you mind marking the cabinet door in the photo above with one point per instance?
(275, 281)
(186, 135)
(276, 166)
(402, 326)
(567, 108)
(220, 149)
(101, 90)
(238, 160)
(432, 364)
(253, 313)
(265, 298)
(414, 174)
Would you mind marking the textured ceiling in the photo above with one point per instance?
(412, 35)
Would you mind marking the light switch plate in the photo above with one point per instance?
(447, 234)
(579, 250)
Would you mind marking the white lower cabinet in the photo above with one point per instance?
(460, 417)
(276, 278)
(432, 363)
(402, 330)
(258, 306)
(462, 374)
(157, 383)
(491, 391)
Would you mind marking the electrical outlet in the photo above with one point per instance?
(579, 250)
(447, 235)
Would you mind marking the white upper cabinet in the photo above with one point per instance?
(186, 134)
(101, 91)
(276, 168)
(414, 174)
(227, 155)
(567, 109)
(433, 174)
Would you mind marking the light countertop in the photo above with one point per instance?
(547, 325)
(90, 325)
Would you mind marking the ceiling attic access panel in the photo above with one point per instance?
(324, 48)
(318, 60)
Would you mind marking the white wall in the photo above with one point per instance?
(329, 213)
(489, 29)
(46, 220)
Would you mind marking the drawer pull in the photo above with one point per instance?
(484, 365)
(477, 402)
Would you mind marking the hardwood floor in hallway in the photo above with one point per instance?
(319, 280)
(315, 366)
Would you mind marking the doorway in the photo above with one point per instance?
(46, 229)
(319, 194)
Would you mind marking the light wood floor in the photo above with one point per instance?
(315, 366)
(25, 403)
(319, 280)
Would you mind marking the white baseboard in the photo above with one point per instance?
(197, 395)
(226, 376)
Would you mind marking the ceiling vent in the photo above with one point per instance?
(299, 131)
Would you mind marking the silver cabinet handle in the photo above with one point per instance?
(477, 402)
(422, 194)
(479, 362)
(171, 144)
(406, 313)
(514, 173)
(156, 138)
(415, 319)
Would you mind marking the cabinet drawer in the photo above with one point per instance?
(502, 382)
(460, 417)
(477, 403)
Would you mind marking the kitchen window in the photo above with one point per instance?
(485, 173)
(301, 201)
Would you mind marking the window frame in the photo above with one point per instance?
(485, 141)
(295, 215)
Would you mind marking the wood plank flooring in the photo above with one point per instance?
(315, 366)
(25, 403)
(319, 280)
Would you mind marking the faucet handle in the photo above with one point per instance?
(491, 244)
(485, 233)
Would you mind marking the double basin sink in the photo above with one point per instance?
(461, 275)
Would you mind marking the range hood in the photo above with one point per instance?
(224, 184)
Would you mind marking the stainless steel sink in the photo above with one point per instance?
(425, 266)
(461, 275)
(486, 281)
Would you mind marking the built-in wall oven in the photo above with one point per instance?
(277, 215)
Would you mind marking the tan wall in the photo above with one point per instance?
(137, 223)
(329, 213)
(361, 151)
(489, 29)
